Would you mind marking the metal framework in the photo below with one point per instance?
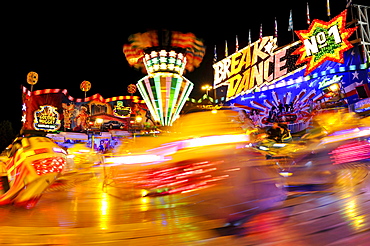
(363, 30)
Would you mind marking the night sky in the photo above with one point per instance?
(66, 44)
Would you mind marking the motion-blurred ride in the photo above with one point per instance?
(80, 156)
(337, 144)
(209, 162)
(30, 166)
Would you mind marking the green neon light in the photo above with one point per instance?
(187, 90)
(172, 97)
(157, 84)
(174, 94)
(177, 83)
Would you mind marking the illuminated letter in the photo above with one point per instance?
(221, 71)
(236, 63)
(226, 72)
(256, 75)
(218, 73)
(311, 47)
(321, 39)
(241, 86)
(335, 32)
(233, 85)
(246, 79)
(257, 51)
(266, 69)
(278, 72)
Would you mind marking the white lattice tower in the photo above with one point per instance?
(363, 30)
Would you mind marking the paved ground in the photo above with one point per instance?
(80, 212)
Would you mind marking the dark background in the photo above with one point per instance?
(68, 43)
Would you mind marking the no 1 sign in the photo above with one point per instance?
(324, 41)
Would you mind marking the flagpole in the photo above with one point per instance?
(276, 31)
(308, 15)
(261, 32)
(226, 49)
(290, 27)
(328, 8)
(215, 54)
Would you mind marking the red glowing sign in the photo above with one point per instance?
(324, 41)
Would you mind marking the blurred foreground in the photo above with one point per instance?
(79, 212)
(210, 183)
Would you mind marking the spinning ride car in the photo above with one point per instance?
(32, 164)
(208, 162)
(338, 144)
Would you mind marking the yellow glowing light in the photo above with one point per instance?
(162, 53)
(144, 193)
(334, 87)
(99, 121)
(286, 174)
(351, 213)
(144, 203)
(153, 54)
(104, 210)
(133, 159)
(172, 53)
(213, 140)
(206, 87)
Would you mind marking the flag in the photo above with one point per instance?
(226, 49)
(261, 32)
(308, 15)
(237, 44)
(215, 55)
(249, 37)
(290, 28)
(276, 29)
(328, 7)
(349, 3)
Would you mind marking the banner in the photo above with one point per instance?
(254, 66)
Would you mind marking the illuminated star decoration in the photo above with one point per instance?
(271, 46)
(324, 41)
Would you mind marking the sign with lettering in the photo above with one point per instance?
(324, 41)
(254, 66)
(327, 81)
(120, 110)
(46, 119)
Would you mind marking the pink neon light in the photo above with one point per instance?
(351, 152)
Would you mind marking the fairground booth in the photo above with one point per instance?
(68, 119)
(327, 68)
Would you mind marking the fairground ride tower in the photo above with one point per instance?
(165, 89)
